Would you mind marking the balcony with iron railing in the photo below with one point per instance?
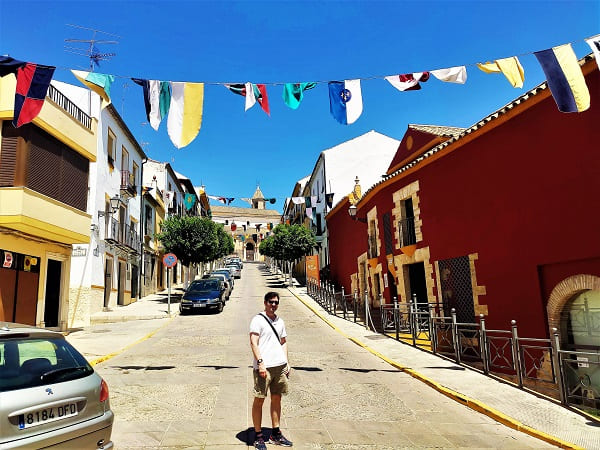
(406, 230)
(123, 236)
(74, 111)
(128, 187)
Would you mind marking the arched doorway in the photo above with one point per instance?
(574, 310)
(250, 247)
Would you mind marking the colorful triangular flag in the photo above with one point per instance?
(157, 99)
(408, 81)
(98, 82)
(185, 112)
(294, 92)
(345, 101)
(33, 81)
(510, 67)
(565, 79)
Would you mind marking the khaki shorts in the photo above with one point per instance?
(276, 382)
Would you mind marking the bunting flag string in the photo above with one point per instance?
(182, 102)
(510, 67)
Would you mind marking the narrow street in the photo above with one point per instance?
(189, 386)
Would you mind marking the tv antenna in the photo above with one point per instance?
(88, 48)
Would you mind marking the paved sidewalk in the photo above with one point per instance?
(113, 331)
(507, 404)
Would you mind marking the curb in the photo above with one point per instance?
(118, 352)
(476, 405)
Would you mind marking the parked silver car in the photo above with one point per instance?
(50, 396)
(223, 278)
(235, 270)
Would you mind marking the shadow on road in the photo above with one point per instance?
(350, 369)
(442, 367)
(247, 436)
(143, 367)
(308, 369)
(218, 367)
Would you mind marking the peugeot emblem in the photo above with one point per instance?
(49, 391)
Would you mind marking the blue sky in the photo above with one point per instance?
(285, 41)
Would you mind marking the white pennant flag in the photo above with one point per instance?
(409, 81)
(594, 43)
(250, 97)
(456, 74)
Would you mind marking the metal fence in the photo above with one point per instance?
(536, 364)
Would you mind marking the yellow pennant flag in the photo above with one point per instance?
(510, 67)
(185, 112)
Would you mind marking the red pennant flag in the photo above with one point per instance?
(33, 81)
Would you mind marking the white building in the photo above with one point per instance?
(105, 272)
(367, 157)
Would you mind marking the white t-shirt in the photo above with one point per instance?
(271, 350)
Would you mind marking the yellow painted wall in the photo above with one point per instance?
(19, 244)
(33, 213)
(54, 120)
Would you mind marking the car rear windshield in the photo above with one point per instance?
(203, 286)
(30, 362)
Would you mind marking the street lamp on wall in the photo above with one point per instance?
(352, 212)
(115, 203)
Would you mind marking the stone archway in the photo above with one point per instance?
(250, 250)
(564, 291)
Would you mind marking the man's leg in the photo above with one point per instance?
(275, 409)
(257, 413)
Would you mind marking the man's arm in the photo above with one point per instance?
(262, 371)
(285, 351)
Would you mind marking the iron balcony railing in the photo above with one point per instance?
(61, 100)
(128, 187)
(406, 228)
(542, 365)
(123, 236)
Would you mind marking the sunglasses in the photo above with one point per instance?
(273, 302)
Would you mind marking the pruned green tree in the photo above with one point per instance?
(192, 239)
(226, 245)
(288, 243)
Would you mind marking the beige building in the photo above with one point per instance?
(247, 225)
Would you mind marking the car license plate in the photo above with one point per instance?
(42, 416)
(199, 305)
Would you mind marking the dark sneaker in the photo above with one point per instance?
(280, 440)
(259, 444)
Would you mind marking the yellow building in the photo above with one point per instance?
(44, 173)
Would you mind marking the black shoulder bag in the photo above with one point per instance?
(271, 325)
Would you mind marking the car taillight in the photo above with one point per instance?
(103, 391)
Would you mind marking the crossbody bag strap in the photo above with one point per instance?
(271, 325)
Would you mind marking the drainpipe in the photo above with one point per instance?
(142, 223)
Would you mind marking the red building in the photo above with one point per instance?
(500, 219)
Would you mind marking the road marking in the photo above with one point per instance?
(118, 352)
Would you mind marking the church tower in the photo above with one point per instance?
(258, 199)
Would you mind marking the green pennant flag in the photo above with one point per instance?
(294, 92)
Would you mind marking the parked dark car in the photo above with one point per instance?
(225, 271)
(50, 396)
(223, 278)
(202, 295)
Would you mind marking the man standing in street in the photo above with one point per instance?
(271, 369)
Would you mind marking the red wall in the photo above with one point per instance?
(524, 196)
(347, 240)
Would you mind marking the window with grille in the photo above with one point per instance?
(456, 288)
(406, 225)
(111, 142)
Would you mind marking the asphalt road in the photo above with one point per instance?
(189, 386)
